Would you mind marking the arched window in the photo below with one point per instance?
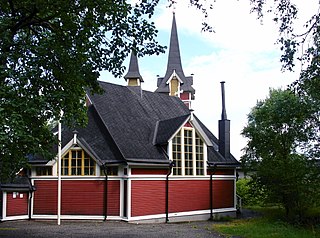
(188, 153)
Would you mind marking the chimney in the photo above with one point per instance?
(224, 128)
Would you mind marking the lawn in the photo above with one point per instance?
(269, 225)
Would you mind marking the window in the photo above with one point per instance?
(44, 171)
(77, 163)
(188, 153)
(176, 154)
(199, 156)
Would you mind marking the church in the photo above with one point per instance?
(143, 157)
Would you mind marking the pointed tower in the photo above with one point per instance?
(224, 128)
(133, 76)
(175, 83)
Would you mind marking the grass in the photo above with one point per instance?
(269, 225)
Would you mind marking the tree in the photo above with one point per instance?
(51, 52)
(279, 133)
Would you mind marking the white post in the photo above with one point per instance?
(59, 172)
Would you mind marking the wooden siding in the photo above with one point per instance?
(185, 96)
(223, 193)
(148, 197)
(83, 197)
(17, 206)
(45, 197)
(135, 171)
(189, 195)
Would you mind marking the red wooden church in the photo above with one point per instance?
(144, 156)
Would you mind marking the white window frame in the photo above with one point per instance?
(170, 151)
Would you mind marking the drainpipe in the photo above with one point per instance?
(213, 170)
(167, 191)
(105, 195)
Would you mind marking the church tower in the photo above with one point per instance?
(175, 83)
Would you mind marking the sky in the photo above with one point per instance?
(242, 52)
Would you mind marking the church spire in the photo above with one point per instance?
(175, 83)
(174, 58)
(133, 76)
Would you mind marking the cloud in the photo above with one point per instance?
(242, 52)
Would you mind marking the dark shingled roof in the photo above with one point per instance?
(214, 157)
(133, 72)
(131, 119)
(174, 64)
(20, 183)
(126, 126)
(166, 128)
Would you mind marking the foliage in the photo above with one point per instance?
(267, 226)
(252, 194)
(50, 53)
(280, 134)
(294, 44)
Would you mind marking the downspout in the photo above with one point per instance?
(167, 191)
(213, 170)
(105, 195)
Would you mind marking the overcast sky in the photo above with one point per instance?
(241, 52)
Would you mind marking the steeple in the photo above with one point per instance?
(174, 58)
(133, 76)
(175, 83)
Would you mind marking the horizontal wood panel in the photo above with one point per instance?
(17, 206)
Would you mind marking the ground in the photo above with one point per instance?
(106, 229)
(117, 229)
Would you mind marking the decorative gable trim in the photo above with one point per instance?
(198, 128)
(83, 145)
(174, 74)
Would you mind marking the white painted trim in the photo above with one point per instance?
(129, 198)
(174, 74)
(32, 199)
(4, 205)
(180, 178)
(182, 153)
(205, 158)
(76, 217)
(203, 135)
(87, 96)
(181, 214)
(12, 218)
(194, 156)
(75, 178)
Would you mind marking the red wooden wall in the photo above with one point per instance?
(45, 197)
(17, 206)
(84, 197)
(148, 197)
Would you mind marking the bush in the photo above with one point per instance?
(251, 194)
